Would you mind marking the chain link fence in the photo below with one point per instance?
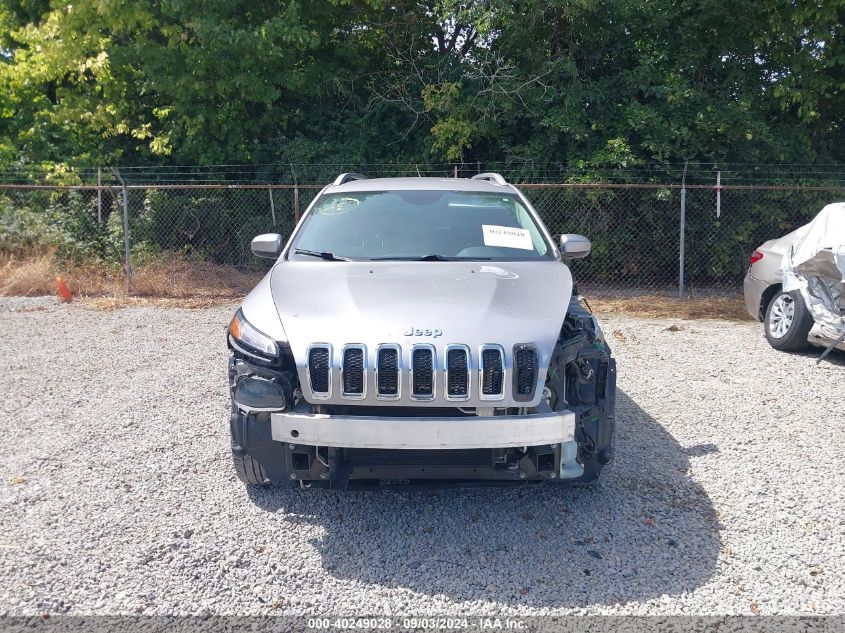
(659, 238)
(214, 224)
(641, 243)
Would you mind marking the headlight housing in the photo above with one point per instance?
(248, 339)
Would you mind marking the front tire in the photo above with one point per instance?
(788, 322)
(249, 470)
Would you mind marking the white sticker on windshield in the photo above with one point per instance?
(507, 236)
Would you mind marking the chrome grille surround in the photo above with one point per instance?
(466, 372)
(387, 347)
(482, 368)
(413, 370)
(375, 373)
(346, 372)
(320, 395)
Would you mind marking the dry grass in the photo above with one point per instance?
(34, 274)
(170, 281)
(726, 308)
(173, 277)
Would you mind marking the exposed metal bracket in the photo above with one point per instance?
(344, 178)
(491, 177)
(339, 469)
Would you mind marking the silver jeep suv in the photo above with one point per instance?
(419, 330)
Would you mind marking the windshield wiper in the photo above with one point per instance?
(325, 255)
(413, 258)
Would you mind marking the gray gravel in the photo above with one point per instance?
(117, 493)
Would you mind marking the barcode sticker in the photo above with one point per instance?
(507, 236)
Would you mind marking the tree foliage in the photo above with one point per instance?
(582, 82)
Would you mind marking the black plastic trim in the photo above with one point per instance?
(516, 375)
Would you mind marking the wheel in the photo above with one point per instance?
(788, 322)
(249, 470)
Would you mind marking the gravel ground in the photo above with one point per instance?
(117, 493)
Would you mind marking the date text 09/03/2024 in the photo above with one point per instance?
(417, 623)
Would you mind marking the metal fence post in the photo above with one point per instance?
(683, 232)
(295, 203)
(99, 196)
(125, 193)
(718, 194)
(126, 238)
(272, 206)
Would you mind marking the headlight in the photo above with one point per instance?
(242, 332)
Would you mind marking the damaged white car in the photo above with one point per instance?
(419, 329)
(796, 285)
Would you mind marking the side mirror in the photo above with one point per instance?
(267, 245)
(573, 246)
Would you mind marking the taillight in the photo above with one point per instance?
(756, 256)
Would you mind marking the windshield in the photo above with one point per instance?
(419, 224)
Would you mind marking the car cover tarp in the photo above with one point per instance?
(815, 265)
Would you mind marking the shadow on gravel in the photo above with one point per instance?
(644, 531)
(835, 358)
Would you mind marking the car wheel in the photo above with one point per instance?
(249, 470)
(788, 322)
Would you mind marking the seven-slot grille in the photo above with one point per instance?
(524, 371)
(387, 373)
(422, 372)
(457, 366)
(492, 373)
(353, 371)
(457, 372)
(319, 360)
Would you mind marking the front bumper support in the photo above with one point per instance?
(423, 433)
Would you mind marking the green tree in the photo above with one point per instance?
(576, 82)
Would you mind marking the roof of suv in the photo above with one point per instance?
(410, 184)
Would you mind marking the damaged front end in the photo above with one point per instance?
(279, 437)
(815, 266)
(262, 380)
(582, 379)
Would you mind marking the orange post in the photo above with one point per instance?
(64, 291)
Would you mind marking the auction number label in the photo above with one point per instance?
(431, 623)
(350, 623)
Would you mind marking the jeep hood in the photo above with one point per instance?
(372, 303)
(472, 303)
